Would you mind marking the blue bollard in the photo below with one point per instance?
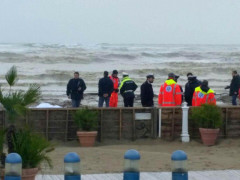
(13, 167)
(72, 166)
(131, 165)
(179, 165)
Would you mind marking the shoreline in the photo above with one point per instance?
(91, 99)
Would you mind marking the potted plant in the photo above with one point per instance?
(33, 149)
(15, 102)
(208, 117)
(87, 122)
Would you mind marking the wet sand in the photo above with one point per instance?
(107, 157)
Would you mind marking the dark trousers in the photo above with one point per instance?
(76, 102)
(102, 100)
(234, 99)
(128, 101)
(147, 105)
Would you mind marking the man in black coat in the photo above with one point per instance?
(147, 94)
(105, 89)
(190, 86)
(75, 88)
(234, 87)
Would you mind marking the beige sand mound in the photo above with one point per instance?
(155, 155)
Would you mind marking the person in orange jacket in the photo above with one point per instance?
(170, 92)
(203, 94)
(114, 96)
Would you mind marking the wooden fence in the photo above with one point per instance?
(122, 123)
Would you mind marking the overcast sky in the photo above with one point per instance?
(120, 21)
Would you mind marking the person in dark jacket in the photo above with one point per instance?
(147, 94)
(127, 89)
(75, 88)
(105, 89)
(234, 87)
(190, 86)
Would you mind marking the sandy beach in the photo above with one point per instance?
(107, 157)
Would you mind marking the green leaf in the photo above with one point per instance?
(32, 95)
(11, 76)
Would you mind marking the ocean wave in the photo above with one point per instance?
(120, 56)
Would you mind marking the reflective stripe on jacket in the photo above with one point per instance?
(113, 102)
(201, 97)
(170, 94)
(115, 82)
(127, 86)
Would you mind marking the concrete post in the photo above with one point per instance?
(131, 165)
(179, 165)
(185, 135)
(13, 167)
(72, 166)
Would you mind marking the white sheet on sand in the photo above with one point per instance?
(47, 105)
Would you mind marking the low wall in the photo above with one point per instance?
(123, 123)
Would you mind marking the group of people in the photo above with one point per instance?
(109, 86)
(170, 94)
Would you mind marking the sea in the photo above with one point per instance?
(52, 65)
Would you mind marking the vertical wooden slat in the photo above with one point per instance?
(47, 119)
(66, 130)
(120, 124)
(133, 125)
(152, 123)
(159, 122)
(173, 123)
(226, 123)
(101, 126)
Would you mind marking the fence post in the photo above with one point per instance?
(185, 135)
(159, 122)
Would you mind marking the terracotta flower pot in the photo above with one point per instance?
(27, 174)
(87, 139)
(209, 136)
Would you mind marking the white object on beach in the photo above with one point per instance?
(185, 135)
(47, 105)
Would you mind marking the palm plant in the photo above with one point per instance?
(86, 119)
(15, 102)
(32, 147)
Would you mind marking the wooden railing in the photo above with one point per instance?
(122, 123)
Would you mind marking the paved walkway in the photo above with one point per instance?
(193, 175)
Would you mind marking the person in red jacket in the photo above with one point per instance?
(114, 96)
(203, 94)
(170, 92)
